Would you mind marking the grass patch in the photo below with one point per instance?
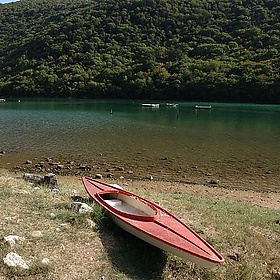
(245, 213)
(247, 236)
(36, 271)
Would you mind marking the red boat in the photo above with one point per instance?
(153, 224)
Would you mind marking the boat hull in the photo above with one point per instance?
(163, 246)
(152, 224)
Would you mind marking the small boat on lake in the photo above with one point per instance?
(203, 107)
(172, 105)
(151, 105)
(152, 223)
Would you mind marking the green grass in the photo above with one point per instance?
(246, 213)
(78, 251)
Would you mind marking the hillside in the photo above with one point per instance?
(162, 49)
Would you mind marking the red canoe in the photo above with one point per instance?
(152, 223)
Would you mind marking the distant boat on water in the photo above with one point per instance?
(151, 105)
(172, 105)
(156, 105)
(203, 107)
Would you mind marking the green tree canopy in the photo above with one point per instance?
(219, 50)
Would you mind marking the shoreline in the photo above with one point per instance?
(230, 177)
(256, 180)
(261, 198)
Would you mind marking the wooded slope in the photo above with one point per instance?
(214, 50)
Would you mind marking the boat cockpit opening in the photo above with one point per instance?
(129, 205)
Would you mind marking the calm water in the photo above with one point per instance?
(234, 143)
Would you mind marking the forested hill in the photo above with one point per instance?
(210, 50)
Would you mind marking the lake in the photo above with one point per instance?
(232, 145)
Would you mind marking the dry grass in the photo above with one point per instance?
(244, 231)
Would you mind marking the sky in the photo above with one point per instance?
(6, 1)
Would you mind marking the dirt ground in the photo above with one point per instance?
(263, 199)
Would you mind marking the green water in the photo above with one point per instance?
(234, 142)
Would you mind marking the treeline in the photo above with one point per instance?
(210, 50)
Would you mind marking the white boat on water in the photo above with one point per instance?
(2, 100)
(172, 105)
(151, 105)
(205, 107)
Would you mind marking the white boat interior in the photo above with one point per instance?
(129, 204)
